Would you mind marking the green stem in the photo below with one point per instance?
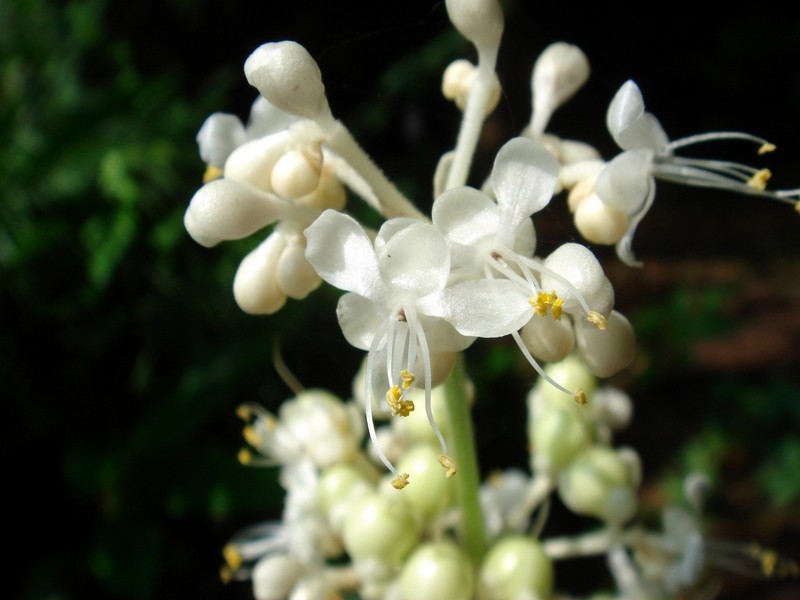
(467, 480)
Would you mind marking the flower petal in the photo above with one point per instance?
(415, 260)
(358, 319)
(466, 216)
(524, 177)
(483, 308)
(220, 134)
(625, 182)
(342, 254)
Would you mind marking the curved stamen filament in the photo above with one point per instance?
(577, 395)
(714, 136)
(418, 334)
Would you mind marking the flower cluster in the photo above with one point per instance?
(418, 292)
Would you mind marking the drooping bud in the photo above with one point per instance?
(598, 222)
(287, 76)
(609, 351)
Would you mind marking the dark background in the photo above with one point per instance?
(124, 355)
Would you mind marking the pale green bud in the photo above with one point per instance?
(599, 483)
(558, 436)
(339, 486)
(516, 567)
(437, 571)
(380, 528)
(431, 490)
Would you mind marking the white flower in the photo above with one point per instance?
(627, 183)
(385, 310)
(492, 244)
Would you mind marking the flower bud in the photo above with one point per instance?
(287, 76)
(297, 172)
(330, 193)
(296, 277)
(608, 351)
(597, 222)
(572, 374)
(547, 339)
(480, 21)
(274, 576)
(436, 571)
(339, 486)
(558, 435)
(220, 134)
(559, 72)
(598, 483)
(255, 286)
(516, 567)
(432, 491)
(457, 80)
(229, 210)
(253, 162)
(380, 528)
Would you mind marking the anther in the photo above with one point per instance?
(251, 436)
(211, 173)
(759, 179)
(400, 481)
(232, 557)
(765, 148)
(597, 319)
(449, 464)
(407, 378)
(405, 408)
(244, 456)
(557, 309)
(580, 396)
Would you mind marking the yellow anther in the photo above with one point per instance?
(404, 408)
(225, 575)
(759, 180)
(557, 309)
(232, 556)
(244, 456)
(449, 464)
(597, 319)
(400, 481)
(393, 395)
(765, 148)
(545, 301)
(580, 396)
(211, 173)
(797, 206)
(769, 560)
(408, 378)
(243, 412)
(251, 436)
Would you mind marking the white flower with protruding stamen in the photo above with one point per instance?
(384, 312)
(627, 183)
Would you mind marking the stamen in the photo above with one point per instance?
(714, 136)
(232, 557)
(251, 436)
(597, 319)
(244, 456)
(419, 334)
(545, 301)
(407, 378)
(766, 148)
(580, 397)
(759, 179)
(540, 371)
(449, 464)
(400, 481)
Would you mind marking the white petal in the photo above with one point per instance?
(358, 319)
(415, 260)
(220, 135)
(524, 177)
(608, 351)
(547, 339)
(342, 254)
(484, 308)
(625, 108)
(295, 274)
(442, 337)
(578, 265)
(625, 182)
(466, 216)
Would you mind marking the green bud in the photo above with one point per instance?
(431, 490)
(516, 567)
(437, 571)
(380, 528)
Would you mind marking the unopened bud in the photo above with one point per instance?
(287, 76)
(480, 21)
